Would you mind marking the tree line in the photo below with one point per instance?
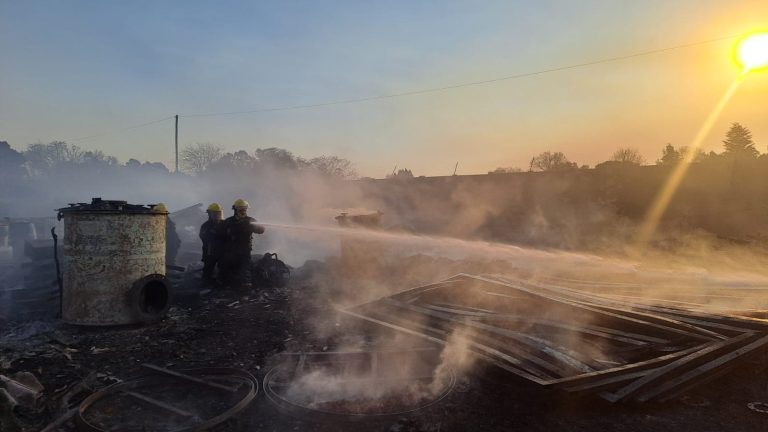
(738, 145)
(41, 160)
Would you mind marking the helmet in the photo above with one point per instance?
(159, 208)
(240, 203)
(215, 207)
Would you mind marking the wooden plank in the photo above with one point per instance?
(598, 331)
(608, 382)
(591, 301)
(676, 366)
(429, 287)
(636, 321)
(701, 370)
(568, 365)
(654, 363)
(489, 358)
(746, 322)
(521, 359)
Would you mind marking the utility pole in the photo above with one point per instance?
(176, 140)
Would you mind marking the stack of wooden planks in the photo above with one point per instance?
(620, 347)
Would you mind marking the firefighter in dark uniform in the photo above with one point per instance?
(212, 235)
(172, 240)
(235, 267)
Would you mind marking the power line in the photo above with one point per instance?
(412, 92)
(467, 84)
(119, 130)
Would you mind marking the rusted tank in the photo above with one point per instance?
(114, 263)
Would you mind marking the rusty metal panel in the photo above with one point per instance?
(104, 255)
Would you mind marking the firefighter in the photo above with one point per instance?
(212, 235)
(235, 268)
(172, 240)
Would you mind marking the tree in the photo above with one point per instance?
(97, 157)
(502, 170)
(403, 173)
(694, 155)
(549, 161)
(669, 156)
(147, 167)
(334, 166)
(44, 157)
(239, 160)
(156, 167)
(9, 157)
(738, 142)
(198, 157)
(11, 166)
(278, 158)
(628, 155)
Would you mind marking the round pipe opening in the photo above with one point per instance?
(153, 298)
(150, 297)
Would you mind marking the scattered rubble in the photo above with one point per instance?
(250, 331)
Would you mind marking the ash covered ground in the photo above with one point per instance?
(249, 330)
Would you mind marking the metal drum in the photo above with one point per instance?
(114, 263)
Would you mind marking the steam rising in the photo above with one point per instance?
(435, 228)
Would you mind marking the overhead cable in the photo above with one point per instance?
(460, 85)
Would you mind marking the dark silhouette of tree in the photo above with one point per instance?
(628, 155)
(11, 166)
(401, 174)
(334, 166)
(41, 158)
(503, 170)
(238, 160)
(738, 142)
(694, 155)
(549, 161)
(278, 158)
(9, 157)
(198, 157)
(156, 167)
(146, 167)
(669, 156)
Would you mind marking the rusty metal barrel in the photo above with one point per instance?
(114, 263)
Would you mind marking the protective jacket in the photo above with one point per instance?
(213, 237)
(238, 234)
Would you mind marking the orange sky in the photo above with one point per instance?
(102, 67)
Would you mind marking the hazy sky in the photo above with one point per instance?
(71, 69)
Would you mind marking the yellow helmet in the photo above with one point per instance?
(215, 207)
(240, 203)
(159, 208)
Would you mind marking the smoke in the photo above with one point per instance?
(551, 229)
(400, 381)
(455, 358)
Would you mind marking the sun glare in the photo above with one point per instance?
(752, 52)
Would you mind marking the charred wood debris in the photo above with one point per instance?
(548, 333)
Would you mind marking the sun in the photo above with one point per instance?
(752, 52)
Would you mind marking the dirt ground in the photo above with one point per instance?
(247, 331)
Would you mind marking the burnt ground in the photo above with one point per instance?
(246, 332)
